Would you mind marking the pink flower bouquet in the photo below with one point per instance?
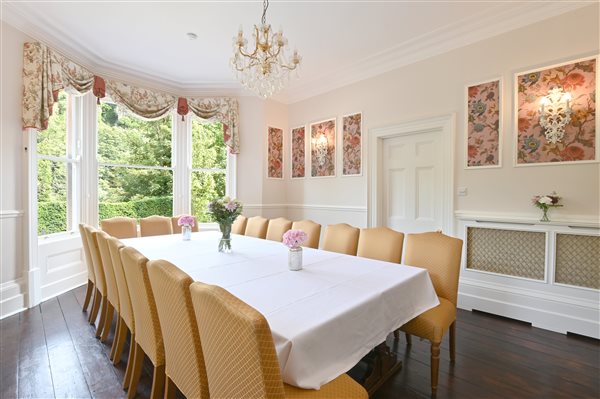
(294, 238)
(186, 220)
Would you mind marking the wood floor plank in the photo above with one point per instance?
(35, 377)
(67, 374)
(100, 374)
(9, 354)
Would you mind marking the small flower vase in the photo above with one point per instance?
(225, 242)
(186, 232)
(295, 259)
(545, 215)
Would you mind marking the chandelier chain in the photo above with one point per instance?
(264, 14)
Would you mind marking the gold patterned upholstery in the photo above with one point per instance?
(312, 229)
(155, 226)
(240, 356)
(148, 335)
(184, 359)
(440, 255)
(380, 243)
(120, 227)
(276, 228)
(100, 299)
(177, 228)
(112, 293)
(90, 268)
(257, 227)
(239, 225)
(341, 238)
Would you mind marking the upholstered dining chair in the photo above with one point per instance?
(177, 228)
(184, 365)
(257, 227)
(312, 230)
(341, 238)
(155, 226)
(239, 225)
(120, 227)
(99, 302)
(148, 335)
(380, 243)
(440, 255)
(239, 353)
(276, 228)
(126, 312)
(91, 287)
(112, 293)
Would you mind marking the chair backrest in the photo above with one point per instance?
(312, 229)
(277, 227)
(380, 243)
(147, 327)
(239, 353)
(86, 251)
(184, 359)
(341, 238)
(257, 227)
(100, 282)
(440, 255)
(239, 225)
(120, 227)
(177, 228)
(155, 226)
(112, 292)
(125, 309)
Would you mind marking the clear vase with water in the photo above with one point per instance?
(186, 232)
(225, 242)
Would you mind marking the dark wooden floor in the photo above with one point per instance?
(50, 351)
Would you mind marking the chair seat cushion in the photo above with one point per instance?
(342, 387)
(432, 324)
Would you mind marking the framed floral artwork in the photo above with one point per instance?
(322, 148)
(352, 145)
(298, 152)
(577, 141)
(275, 153)
(484, 125)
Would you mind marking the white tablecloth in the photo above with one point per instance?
(324, 318)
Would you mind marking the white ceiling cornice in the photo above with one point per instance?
(494, 21)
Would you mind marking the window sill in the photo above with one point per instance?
(57, 237)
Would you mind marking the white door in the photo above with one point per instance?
(411, 181)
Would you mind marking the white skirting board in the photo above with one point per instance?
(12, 298)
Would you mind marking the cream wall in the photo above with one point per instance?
(436, 87)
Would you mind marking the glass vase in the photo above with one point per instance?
(186, 232)
(545, 215)
(225, 242)
(295, 259)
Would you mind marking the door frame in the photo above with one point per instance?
(446, 125)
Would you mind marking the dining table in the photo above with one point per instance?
(325, 317)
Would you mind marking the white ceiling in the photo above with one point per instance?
(340, 41)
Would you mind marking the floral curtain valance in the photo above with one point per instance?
(46, 72)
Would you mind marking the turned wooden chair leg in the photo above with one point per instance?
(158, 382)
(435, 366)
(130, 360)
(453, 342)
(108, 319)
(170, 389)
(103, 310)
(136, 371)
(408, 339)
(88, 295)
(95, 307)
(397, 334)
(119, 341)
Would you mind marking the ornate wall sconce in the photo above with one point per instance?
(321, 147)
(555, 114)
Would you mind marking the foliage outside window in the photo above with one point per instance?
(135, 174)
(209, 166)
(55, 172)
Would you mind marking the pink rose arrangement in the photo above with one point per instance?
(546, 201)
(186, 220)
(294, 238)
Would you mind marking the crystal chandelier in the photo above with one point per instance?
(265, 68)
(555, 114)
